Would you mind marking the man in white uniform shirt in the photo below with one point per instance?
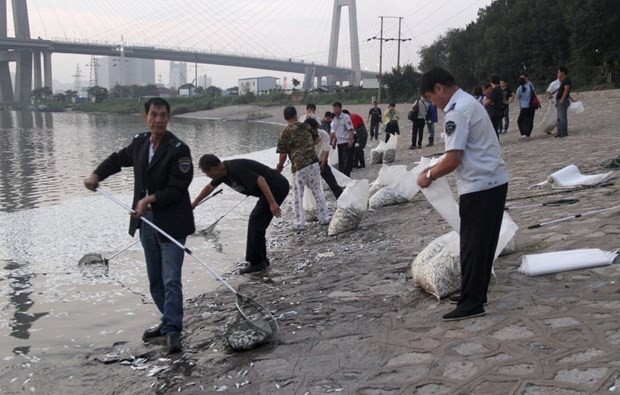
(473, 152)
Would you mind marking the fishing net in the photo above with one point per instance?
(253, 326)
(92, 259)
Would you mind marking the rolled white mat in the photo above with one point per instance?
(561, 261)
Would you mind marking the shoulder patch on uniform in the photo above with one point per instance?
(185, 164)
(450, 127)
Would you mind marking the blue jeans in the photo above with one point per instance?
(563, 118)
(164, 261)
(431, 131)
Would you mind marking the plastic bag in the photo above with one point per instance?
(376, 154)
(386, 196)
(576, 107)
(550, 120)
(561, 261)
(332, 158)
(437, 268)
(439, 194)
(389, 155)
(388, 175)
(351, 208)
(309, 204)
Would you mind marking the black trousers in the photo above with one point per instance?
(260, 218)
(481, 216)
(525, 122)
(361, 137)
(374, 130)
(496, 120)
(345, 159)
(329, 178)
(417, 132)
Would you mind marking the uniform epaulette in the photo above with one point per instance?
(142, 135)
(451, 107)
(175, 142)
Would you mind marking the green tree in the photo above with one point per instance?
(41, 94)
(99, 93)
(296, 83)
(402, 83)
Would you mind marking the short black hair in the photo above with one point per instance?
(157, 102)
(346, 112)
(208, 161)
(337, 104)
(312, 123)
(311, 106)
(495, 79)
(563, 69)
(392, 105)
(435, 76)
(478, 91)
(328, 114)
(289, 112)
(487, 86)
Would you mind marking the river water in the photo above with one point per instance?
(49, 307)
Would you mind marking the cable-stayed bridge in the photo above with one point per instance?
(33, 57)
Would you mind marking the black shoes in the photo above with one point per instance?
(412, 147)
(173, 342)
(420, 146)
(454, 299)
(259, 267)
(152, 333)
(459, 314)
(430, 144)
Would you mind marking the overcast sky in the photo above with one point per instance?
(274, 28)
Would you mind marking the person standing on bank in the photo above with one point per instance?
(359, 140)
(374, 120)
(342, 136)
(509, 97)
(417, 116)
(250, 178)
(431, 120)
(525, 94)
(391, 121)
(563, 101)
(163, 171)
(495, 104)
(322, 151)
(297, 141)
(474, 153)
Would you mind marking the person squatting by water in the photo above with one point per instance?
(342, 136)
(163, 171)
(472, 150)
(297, 141)
(249, 178)
(322, 151)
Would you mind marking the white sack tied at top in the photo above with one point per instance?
(376, 154)
(561, 261)
(571, 177)
(352, 206)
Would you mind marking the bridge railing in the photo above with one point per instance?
(64, 40)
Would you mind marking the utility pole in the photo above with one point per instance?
(93, 71)
(381, 40)
(77, 82)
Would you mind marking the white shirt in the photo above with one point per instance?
(341, 125)
(553, 88)
(468, 128)
(323, 144)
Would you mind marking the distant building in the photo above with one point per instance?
(125, 71)
(257, 85)
(205, 81)
(234, 91)
(178, 74)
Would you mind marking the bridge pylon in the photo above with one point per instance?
(356, 77)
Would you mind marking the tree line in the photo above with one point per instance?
(510, 37)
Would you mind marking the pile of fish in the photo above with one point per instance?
(344, 220)
(437, 268)
(241, 336)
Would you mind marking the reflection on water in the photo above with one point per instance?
(44, 156)
(20, 302)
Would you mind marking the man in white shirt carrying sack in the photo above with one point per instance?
(472, 150)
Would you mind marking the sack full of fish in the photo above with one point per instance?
(351, 208)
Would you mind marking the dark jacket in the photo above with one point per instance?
(167, 177)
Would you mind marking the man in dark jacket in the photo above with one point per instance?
(163, 171)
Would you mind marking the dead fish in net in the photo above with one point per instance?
(92, 259)
(242, 337)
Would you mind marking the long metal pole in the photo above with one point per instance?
(380, 60)
(398, 58)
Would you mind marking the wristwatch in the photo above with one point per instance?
(429, 175)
